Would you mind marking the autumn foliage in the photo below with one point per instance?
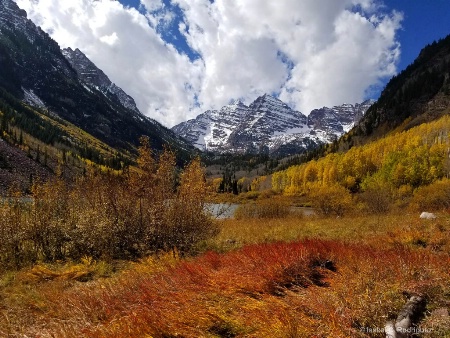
(111, 216)
(393, 165)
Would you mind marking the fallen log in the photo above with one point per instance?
(410, 314)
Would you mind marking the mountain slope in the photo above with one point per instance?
(268, 126)
(339, 119)
(17, 170)
(420, 93)
(33, 69)
(36, 145)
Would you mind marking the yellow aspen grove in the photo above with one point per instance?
(401, 159)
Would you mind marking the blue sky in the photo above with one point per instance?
(178, 58)
(424, 22)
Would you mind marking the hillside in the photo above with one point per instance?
(36, 145)
(420, 93)
(17, 171)
(412, 158)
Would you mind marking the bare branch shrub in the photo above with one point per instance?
(109, 216)
(376, 195)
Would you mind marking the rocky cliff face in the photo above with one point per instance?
(95, 78)
(268, 126)
(339, 119)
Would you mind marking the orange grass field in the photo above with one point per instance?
(296, 277)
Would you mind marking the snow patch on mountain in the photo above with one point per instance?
(32, 99)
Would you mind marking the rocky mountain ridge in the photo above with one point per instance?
(268, 126)
(95, 78)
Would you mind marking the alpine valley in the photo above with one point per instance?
(58, 108)
(331, 223)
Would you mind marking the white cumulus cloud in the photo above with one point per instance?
(311, 53)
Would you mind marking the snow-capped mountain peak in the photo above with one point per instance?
(268, 125)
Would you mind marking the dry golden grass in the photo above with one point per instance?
(270, 290)
(384, 231)
(351, 275)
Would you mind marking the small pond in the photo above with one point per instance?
(222, 210)
(227, 210)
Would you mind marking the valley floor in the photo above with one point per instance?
(290, 277)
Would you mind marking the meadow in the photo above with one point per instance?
(294, 276)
